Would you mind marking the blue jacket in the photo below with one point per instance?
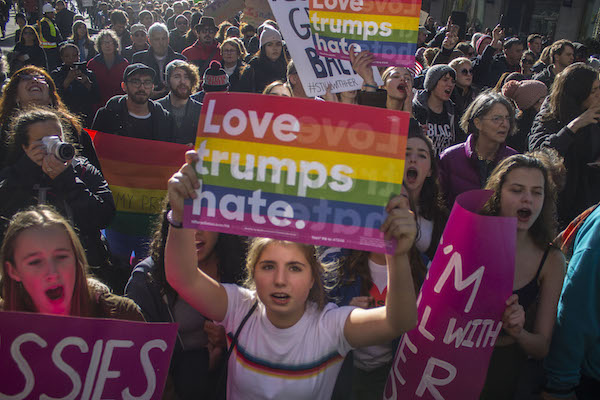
(575, 347)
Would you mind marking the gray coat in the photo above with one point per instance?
(185, 132)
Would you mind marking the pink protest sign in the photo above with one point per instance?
(47, 356)
(460, 307)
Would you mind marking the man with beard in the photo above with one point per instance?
(206, 48)
(182, 79)
(134, 114)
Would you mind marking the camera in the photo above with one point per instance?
(63, 151)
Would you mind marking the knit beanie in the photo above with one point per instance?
(525, 93)
(215, 78)
(269, 34)
(480, 42)
(435, 73)
(475, 38)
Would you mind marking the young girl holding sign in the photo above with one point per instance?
(292, 345)
(43, 268)
(524, 189)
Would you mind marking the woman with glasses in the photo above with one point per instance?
(233, 53)
(489, 120)
(30, 87)
(108, 66)
(464, 93)
(527, 61)
(80, 38)
(27, 51)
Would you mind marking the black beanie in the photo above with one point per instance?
(215, 78)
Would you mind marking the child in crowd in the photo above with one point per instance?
(294, 342)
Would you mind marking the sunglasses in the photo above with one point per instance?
(466, 71)
(27, 78)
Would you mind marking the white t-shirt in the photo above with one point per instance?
(300, 362)
(425, 234)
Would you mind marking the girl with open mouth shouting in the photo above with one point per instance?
(524, 188)
(293, 344)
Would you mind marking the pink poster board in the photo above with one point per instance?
(460, 307)
(82, 358)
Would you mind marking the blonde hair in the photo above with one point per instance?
(14, 294)
(318, 269)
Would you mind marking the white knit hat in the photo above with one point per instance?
(269, 34)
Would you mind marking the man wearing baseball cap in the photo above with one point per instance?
(134, 114)
(139, 37)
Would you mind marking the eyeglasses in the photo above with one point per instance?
(140, 33)
(465, 71)
(498, 119)
(39, 78)
(137, 83)
(204, 31)
(229, 51)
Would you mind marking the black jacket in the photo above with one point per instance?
(77, 97)
(80, 194)
(146, 57)
(488, 68)
(546, 76)
(186, 133)
(260, 72)
(114, 116)
(582, 186)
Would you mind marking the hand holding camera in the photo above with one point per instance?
(52, 154)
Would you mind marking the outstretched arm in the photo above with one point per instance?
(181, 263)
(383, 324)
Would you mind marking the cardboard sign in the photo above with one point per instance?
(460, 307)
(297, 169)
(56, 357)
(222, 10)
(315, 72)
(386, 28)
(137, 172)
(256, 12)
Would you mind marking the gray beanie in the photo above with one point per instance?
(435, 73)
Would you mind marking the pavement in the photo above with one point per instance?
(8, 43)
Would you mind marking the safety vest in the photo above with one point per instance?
(43, 42)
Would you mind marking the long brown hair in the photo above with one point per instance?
(570, 89)
(9, 105)
(543, 230)
(14, 295)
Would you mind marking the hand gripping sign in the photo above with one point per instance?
(297, 169)
(460, 308)
(57, 357)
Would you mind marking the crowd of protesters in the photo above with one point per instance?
(517, 115)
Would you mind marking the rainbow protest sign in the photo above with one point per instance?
(137, 171)
(387, 28)
(297, 169)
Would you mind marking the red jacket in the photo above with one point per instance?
(201, 55)
(109, 80)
